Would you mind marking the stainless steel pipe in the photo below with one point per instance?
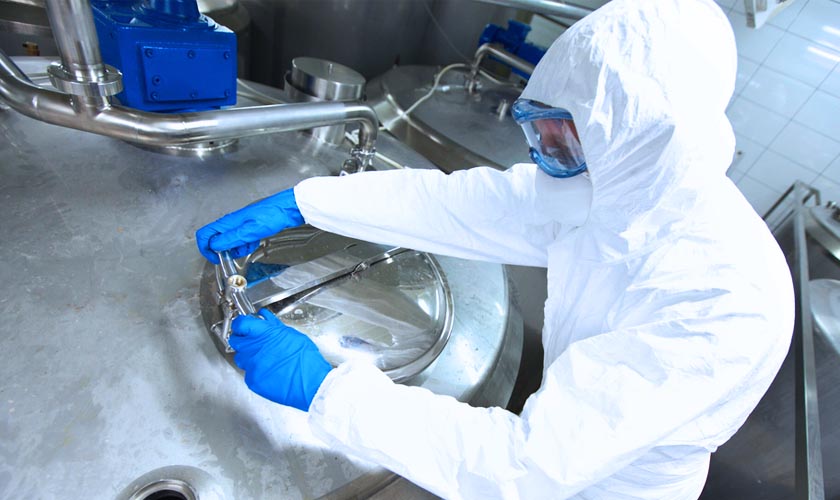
(500, 54)
(75, 36)
(157, 129)
(547, 7)
(506, 57)
(82, 73)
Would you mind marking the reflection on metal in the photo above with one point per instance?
(453, 128)
(546, 7)
(824, 226)
(235, 292)
(157, 129)
(318, 80)
(809, 480)
(24, 18)
(110, 83)
(319, 272)
(196, 149)
(825, 306)
(391, 306)
(326, 79)
(768, 457)
(82, 66)
(500, 54)
(809, 472)
(174, 482)
(75, 37)
(124, 357)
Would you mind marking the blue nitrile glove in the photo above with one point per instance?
(241, 231)
(281, 364)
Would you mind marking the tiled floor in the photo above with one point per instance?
(786, 107)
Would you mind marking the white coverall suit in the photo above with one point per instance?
(670, 305)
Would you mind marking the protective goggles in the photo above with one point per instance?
(552, 137)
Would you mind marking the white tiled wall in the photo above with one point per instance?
(786, 107)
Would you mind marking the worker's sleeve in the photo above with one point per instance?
(485, 214)
(605, 402)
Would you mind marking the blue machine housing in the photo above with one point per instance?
(513, 40)
(172, 57)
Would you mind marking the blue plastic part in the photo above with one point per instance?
(513, 41)
(173, 59)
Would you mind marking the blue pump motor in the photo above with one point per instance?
(171, 56)
(513, 40)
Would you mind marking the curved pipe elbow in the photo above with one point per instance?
(177, 129)
(368, 124)
(506, 57)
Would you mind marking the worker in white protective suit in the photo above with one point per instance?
(670, 306)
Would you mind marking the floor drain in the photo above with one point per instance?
(166, 489)
(175, 482)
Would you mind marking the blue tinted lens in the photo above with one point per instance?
(525, 110)
(554, 168)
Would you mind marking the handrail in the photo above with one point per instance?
(809, 481)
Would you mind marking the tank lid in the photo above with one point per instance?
(391, 308)
(326, 79)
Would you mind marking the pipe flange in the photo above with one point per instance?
(110, 84)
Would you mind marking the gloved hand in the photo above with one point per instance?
(281, 364)
(241, 231)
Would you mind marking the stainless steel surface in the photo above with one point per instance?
(326, 79)
(370, 36)
(173, 483)
(366, 35)
(454, 129)
(546, 7)
(110, 83)
(158, 129)
(809, 469)
(315, 273)
(457, 130)
(503, 109)
(313, 80)
(500, 54)
(824, 226)
(270, 95)
(764, 459)
(75, 36)
(24, 18)
(107, 369)
(235, 291)
(825, 307)
(354, 299)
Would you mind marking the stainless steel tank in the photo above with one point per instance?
(369, 36)
(457, 129)
(454, 128)
(111, 383)
(312, 79)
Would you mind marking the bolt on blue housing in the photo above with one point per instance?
(172, 58)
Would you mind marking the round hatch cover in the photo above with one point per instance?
(326, 79)
(354, 299)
